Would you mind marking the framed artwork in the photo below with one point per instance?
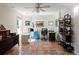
(39, 23)
(27, 23)
(50, 23)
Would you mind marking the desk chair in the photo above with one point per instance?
(36, 35)
(44, 33)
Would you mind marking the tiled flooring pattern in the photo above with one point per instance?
(43, 48)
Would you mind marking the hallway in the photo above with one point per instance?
(43, 48)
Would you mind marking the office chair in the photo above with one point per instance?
(44, 33)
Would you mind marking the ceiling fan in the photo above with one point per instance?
(39, 7)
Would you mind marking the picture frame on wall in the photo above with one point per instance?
(27, 23)
(39, 23)
(50, 23)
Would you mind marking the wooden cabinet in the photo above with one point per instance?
(65, 27)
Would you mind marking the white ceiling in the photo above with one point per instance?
(53, 6)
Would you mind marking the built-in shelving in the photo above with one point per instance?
(65, 29)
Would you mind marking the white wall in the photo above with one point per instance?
(8, 18)
(75, 23)
(47, 16)
(34, 18)
(76, 32)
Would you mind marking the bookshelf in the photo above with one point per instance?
(65, 28)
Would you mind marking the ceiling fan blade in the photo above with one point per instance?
(42, 9)
(37, 5)
(35, 10)
(28, 7)
(44, 6)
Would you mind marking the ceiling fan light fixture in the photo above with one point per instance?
(39, 7)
